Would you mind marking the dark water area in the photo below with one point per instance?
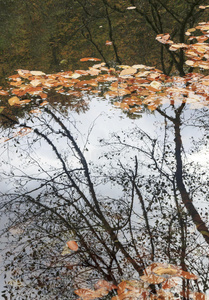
(104, 168)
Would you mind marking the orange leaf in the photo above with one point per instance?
(72, 245)
(4, 93)
(121, 287)
(108, 43)
(14, 101)
(90, 59)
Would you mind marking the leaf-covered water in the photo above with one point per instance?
(104, 166)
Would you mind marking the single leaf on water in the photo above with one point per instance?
(72, 245)
(108, 43)
(90, 59)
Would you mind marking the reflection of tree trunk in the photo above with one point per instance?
(93, 206)
(111, 35)
(200, 224)
(144, 213)
(182, 228)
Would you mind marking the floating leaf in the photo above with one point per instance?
(37, 73)
(14, 101)
(90, 59)
(4, 93)
(65, 251)
(44, 103)
(35, 82)
(187, 275)
(103, 283)
(128, 71)
(153, 279)
(72, 245)
(199, 296)
(23, 131)
(88, 294)
(35, 111)
(85, 293)
(171, 282)
(155, 84)
(108, 43)
(165, 270)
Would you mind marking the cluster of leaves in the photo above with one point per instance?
(165, 275)
(134, 86)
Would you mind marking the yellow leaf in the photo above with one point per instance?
(129, 71)
(153, 279)
(14, 101)
(165, 270)
(37, 73)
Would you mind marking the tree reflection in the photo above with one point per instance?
(64, 196)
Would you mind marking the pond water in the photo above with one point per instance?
(104, 193)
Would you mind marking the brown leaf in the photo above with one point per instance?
(103, 283)
(199, 296)
(121, 287)
(187, 275)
